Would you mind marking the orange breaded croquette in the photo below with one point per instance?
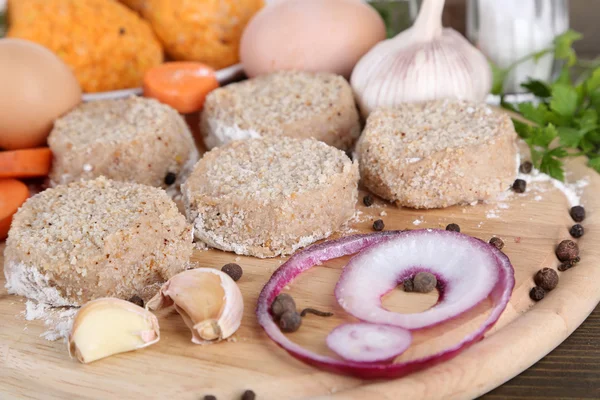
(136, 5)
(107, 45)
(208, 31)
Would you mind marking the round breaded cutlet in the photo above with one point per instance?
(437, 154)
(296, 104)
(270, 196)
(97, 238)
(135, 139)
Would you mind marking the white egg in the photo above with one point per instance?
(310, 35)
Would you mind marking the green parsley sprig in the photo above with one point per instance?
(564, 118)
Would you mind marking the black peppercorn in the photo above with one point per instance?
(378, 225)
(537, 293)
(546, 278)
(290, 321)
(210, 397)
(568, 264)
(526, 167)
(137, 300)
(170, 178)
(519, 186)
(368, 200)
(577, 213)
(453, 227)
(233, 270)
(567, 250)
(282, 303)
(121, 31)
(249, 395)
(576, 231)
(408, 285)
(497, 243)
(424, 282)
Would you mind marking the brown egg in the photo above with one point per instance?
(310, 35)
(36, 88)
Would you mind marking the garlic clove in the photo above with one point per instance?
(108, 326)
(208, 300)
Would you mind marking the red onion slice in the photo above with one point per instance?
(465, 268)
(319, 253)
(365, 342)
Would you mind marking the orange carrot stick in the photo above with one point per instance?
(183, 85)
(27, 163)
(13, 193)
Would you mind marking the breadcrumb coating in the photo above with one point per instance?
(270, 196)
(95, 239)
(107, 45)
(291, 103)
(437, 154)
(136, 139)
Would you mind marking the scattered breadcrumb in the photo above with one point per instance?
(58, 320)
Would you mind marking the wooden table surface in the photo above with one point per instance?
(571, 371)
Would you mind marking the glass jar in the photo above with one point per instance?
(508, 30)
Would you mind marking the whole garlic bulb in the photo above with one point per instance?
(424, 62)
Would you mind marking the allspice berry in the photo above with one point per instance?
(497, 243)
(282, 303)
(546, 278)
(567, 250)
(248, 395)
(408, 285)
(577, 231)
(233, 270)
(519, 186)
(424, 282)
(453, 227)
(577, 213)
(290, 321)
(537, 293)
(378, 225)
(368, 200)
(526, 167)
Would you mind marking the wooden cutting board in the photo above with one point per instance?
(530, 225)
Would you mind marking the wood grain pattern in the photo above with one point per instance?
(31, 367)
(571, 371)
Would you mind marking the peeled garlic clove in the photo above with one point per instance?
(108, 326)
(424, 62)
(208, 300)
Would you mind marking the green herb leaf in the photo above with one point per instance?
(593, 82)
(552, 166)
(535, 114)
(523, 129)
(588, 120)
(564, 99)
(595, 163)
(498, 77)
(563, 47)
(586, 145)
(593, 137)
(542, 136)
(570, 137)
(537, 88)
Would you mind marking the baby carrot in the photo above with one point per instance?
(26, 163)
(183, 84)
(13, 193)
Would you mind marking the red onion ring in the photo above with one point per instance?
(317, 254)
(366, 342)
(465, 269)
